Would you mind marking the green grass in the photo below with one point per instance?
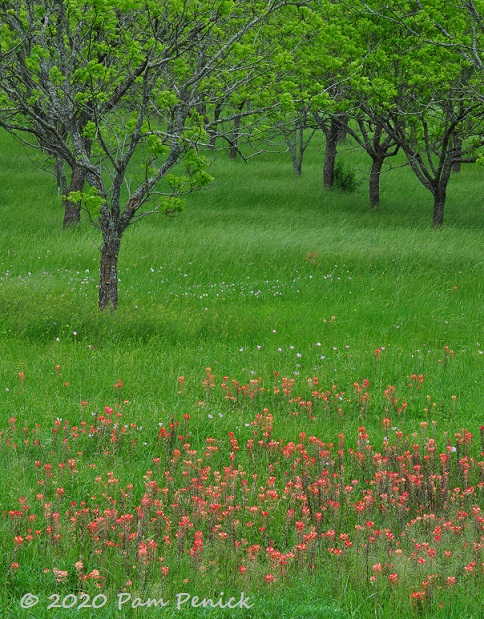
(246, 282)
(230, 271)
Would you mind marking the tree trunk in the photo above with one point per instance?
(72, 214)
(330, 153)
(60, 176)
(234, 138)
(233, 150)
(302, 148)
(72, 210)
(375, 182)
(296, 153)
(108, 285)
(212, 131)
(439, 203)
(458, 149)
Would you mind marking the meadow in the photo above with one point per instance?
(284, 416)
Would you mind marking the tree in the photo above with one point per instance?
(277, 95)
(330, 126)
(297, 134)
(457, 25)
(113, 89)
(433, 142)
(426, 97)
(333, 55)
(378, 144)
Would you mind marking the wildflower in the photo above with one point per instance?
(470, 569)
(270, 578)
(60, 575)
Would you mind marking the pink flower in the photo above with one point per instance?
(60, 575)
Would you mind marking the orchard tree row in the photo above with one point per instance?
(124, 97)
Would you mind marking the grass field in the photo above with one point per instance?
(337, 340)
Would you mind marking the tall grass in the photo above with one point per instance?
(262, 273)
